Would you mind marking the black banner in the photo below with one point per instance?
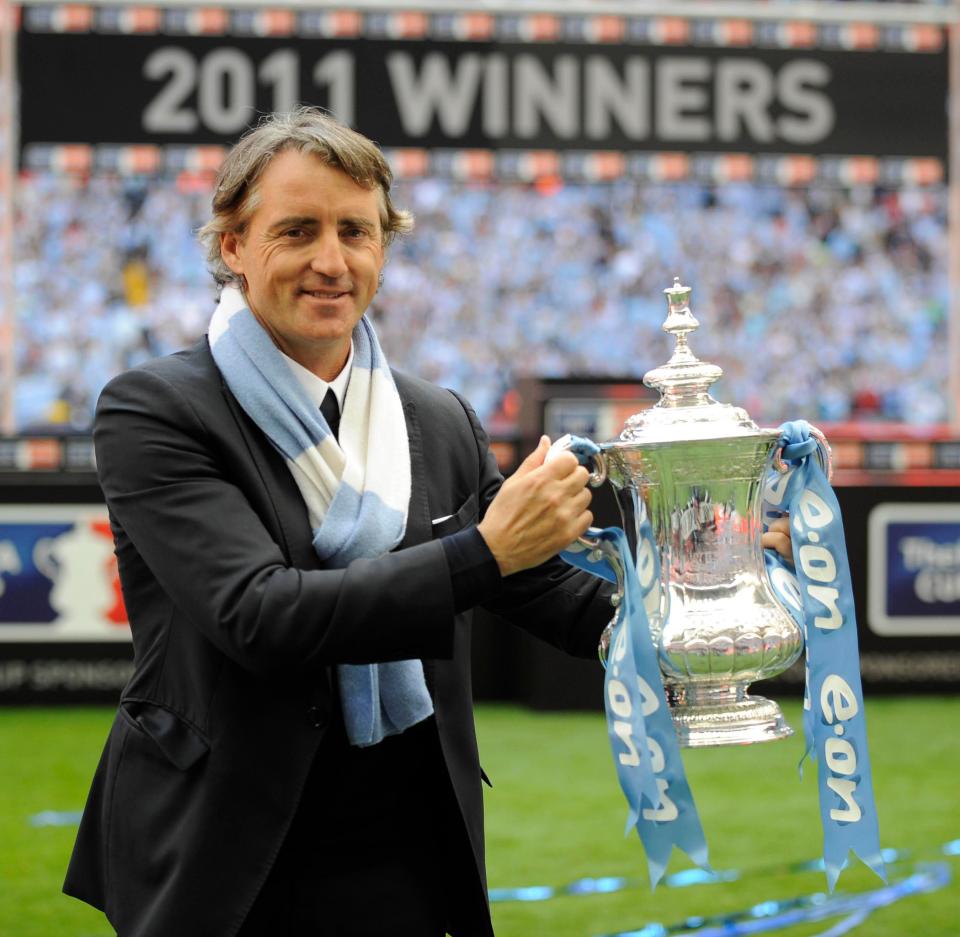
(191, 90)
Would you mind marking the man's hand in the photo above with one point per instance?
(777, 538)
(539, 510)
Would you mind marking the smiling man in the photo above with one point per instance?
(301, 534)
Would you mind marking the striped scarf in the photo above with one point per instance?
(356, 491)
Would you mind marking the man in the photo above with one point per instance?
(301, 536)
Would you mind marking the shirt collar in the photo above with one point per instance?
(316, 387)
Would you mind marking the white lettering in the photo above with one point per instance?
(681, 102)
(658, 760)
(605, 95)
(649, 700)
(495, 97)
(666, 811)
(225, 94)
(744, 92)
(837, 700)
(840, 756)
(631, 757)
(827, 596)
(814, 511)
(619, 699)
(815, 111)
(817, 563)
(787, 587)
(937, 586)
(537, 94)
(845, 790)
(441, 92)
(336, 70)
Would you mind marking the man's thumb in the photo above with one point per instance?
(535, 459)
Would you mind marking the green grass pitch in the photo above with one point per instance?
(556, 814)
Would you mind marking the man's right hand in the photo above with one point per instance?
(539, 510)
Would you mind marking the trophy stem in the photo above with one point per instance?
(723, 714)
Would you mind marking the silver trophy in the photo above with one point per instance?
(695, 468)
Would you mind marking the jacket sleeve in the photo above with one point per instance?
(555, 602)
(201, 539)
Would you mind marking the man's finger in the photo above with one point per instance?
(535, 459)
(774, 540)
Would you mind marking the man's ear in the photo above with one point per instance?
(229, 244)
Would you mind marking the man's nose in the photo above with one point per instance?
(328, 258)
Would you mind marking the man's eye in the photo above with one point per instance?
(294, 233)
(355, 233)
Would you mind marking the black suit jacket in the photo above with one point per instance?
(236, 629)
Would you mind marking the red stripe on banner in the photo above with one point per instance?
(76, 157)
(670, 167)
(797, 170)
(344, 23)
(475, 26)
(608, 165)
(607, 28)
(800, 34)
(925, 38)
(206, 158)
(541, 27)
(861, 36)
(923, 171)
(276, 23)
(410, 163)
(73, 18)
(861, 170)
(671, 30)
(38, 454)
(141, 159)
(476, 164)
(540, 163)
(209, 21)
(189, 182)
(737, 32)
(143, 19)
(735, 167)
(409, 25)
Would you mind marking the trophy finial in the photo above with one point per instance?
(684, 379)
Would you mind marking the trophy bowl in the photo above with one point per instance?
(693, 470)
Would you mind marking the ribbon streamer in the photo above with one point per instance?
(819, 596)
(818, 593)
(644, 743)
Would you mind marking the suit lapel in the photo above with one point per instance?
(419, 528)
(289, 510)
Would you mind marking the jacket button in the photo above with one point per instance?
(315, 717)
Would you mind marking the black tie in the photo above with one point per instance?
(331, 412)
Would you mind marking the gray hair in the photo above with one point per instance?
(306, 130)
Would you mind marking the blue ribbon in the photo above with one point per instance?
(645, 749)
(817, 592)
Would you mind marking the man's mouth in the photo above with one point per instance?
(326, 294)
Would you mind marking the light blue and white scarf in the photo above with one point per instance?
(356, 491)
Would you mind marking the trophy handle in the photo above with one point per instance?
(604, 550)
(823, 451)
(598, 473)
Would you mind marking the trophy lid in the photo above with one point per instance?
(685, 410)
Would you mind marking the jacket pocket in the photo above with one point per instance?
(467, 514)
(181, 743)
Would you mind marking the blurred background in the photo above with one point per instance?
(793, 162)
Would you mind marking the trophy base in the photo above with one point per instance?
(723, 715)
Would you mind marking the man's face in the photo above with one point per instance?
(311, 256)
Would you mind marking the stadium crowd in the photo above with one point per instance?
(820, 303)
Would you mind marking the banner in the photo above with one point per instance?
(58, 575)
(914, 563)
(661, 84)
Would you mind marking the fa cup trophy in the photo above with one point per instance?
(691, 470)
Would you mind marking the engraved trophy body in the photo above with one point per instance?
(694, 468)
